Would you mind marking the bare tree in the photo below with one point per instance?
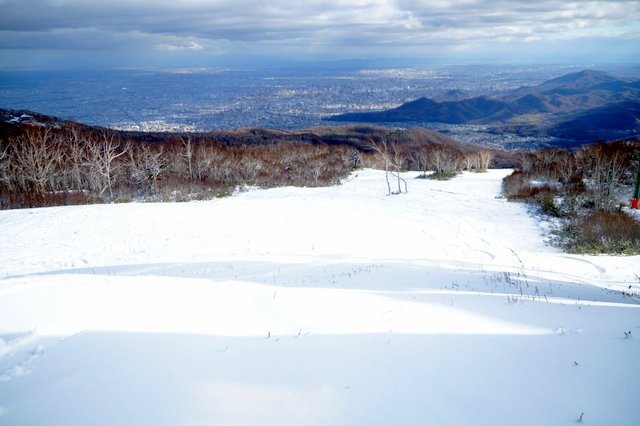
(145, 164)
(37, 159)
(77, 158)
(549, 163)
(316, 167)
(566, 165)
(205, 158)
(444, 161)
(484, 159)
(421, 157)
(251, 167)
(396, 163)
(5, 166)
(188, 155)
(470, 161)
(527, 162)
(103, 165)
(603, 165)
(392, 164)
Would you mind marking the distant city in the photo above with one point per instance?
(213, 98)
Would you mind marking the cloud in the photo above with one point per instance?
(191, 45)
(347, 27)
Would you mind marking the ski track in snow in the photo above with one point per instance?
(323, 306)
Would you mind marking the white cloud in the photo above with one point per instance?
(295, 27)
(191, 45)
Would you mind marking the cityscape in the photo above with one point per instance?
(206, 99)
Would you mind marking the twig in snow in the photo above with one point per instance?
(580, 418)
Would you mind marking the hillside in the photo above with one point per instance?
(581, 82)
(335, 305)
(45, 161)
(609, 122)
(15, 122)
(564, 101)
(427, 110)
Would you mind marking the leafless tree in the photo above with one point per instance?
(316, 168)
(392, 164)
(566, 165)
(421, 157)
(188, 155)
(548, 163)
(77, 159)
(484, 159)
(470, 161)
(396, 163)
(36, 159)
(145, 164)
(444, 160)
(103, 165)
(5, 166)
(603, 166)
(251, 167)
(205, 158)
(527, 162)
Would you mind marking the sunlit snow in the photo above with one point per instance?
(315, 306)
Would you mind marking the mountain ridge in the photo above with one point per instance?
(561, 100)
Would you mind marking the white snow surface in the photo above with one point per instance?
(313, 306)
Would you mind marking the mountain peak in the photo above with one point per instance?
(581, 79)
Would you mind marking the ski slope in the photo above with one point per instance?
(314, 306)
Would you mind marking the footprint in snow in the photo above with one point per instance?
(22, 368)
(9, 344)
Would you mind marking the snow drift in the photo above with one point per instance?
(323, 306)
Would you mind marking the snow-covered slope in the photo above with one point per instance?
(328, 306)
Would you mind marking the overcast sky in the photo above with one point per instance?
(184, 33)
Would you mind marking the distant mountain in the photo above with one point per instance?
(612, 121)
(427, 110)
(582, 80)
(575, 106)
(578, 91)
(452, 95)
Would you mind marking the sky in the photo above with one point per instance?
(209, 33)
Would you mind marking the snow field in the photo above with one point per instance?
(327, 306)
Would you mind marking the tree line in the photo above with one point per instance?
(586, 191)
(45, 166)
(52, 164)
